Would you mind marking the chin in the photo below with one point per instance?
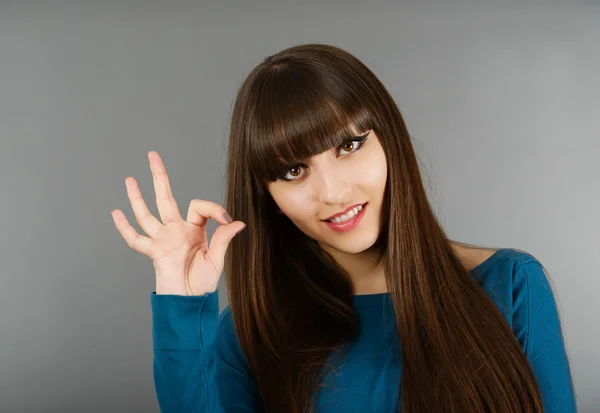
(356, 245)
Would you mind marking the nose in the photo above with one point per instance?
(332, 187)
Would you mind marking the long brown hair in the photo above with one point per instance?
(292, 304)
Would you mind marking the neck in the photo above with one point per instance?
(366, 277)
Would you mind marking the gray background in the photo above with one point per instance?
(502, 101)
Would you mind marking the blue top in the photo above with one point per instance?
(199, 366)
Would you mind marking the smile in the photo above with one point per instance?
(348, 221)
(345, 217)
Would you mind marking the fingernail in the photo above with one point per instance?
(227, 218)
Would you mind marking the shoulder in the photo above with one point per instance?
(509, 270)
(506, 276)
(505, 265)
(519, 285)
(535, 316)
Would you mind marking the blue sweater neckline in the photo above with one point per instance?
(371, 300)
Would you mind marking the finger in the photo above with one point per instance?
(147, 222)
(220, 242)
(167, 207)
(134, 240)
(200, 210)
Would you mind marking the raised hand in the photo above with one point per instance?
(185, 263)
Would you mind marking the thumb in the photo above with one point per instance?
(221, 239)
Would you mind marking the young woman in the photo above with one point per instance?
(345, 293)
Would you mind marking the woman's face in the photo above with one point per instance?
(331, 182)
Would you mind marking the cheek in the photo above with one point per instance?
(372, 175)
(294, 204)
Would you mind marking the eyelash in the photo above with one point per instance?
(361, 141)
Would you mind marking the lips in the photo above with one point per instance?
(349, 224)
(350, 208)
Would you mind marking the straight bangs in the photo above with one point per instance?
(299, 114)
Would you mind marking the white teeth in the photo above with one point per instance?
(347, 216)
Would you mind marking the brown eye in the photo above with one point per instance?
(351, 146)
(293, 171)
